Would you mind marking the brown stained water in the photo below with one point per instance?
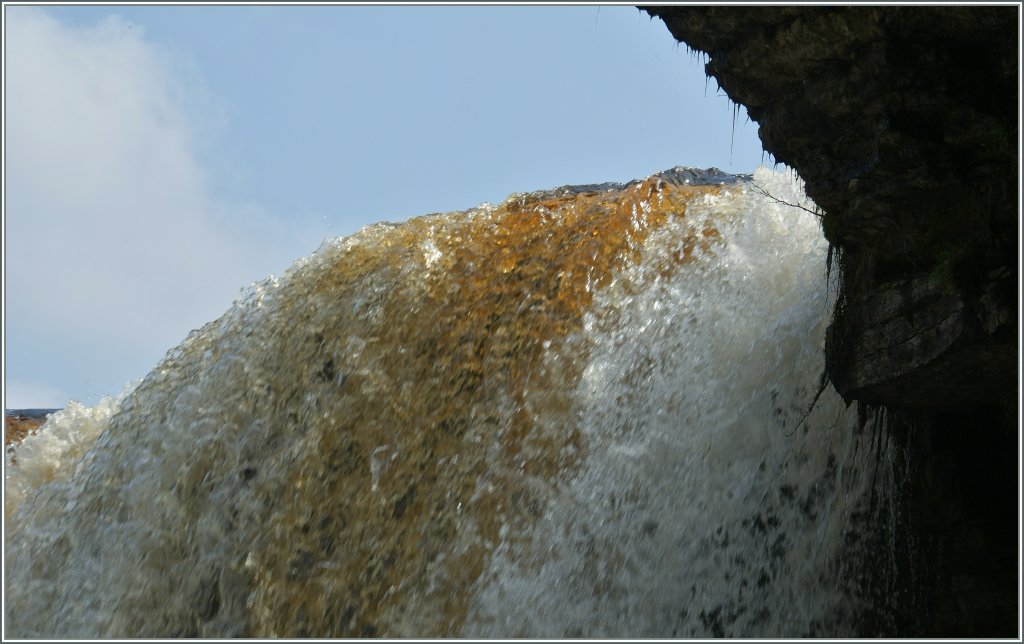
(522, 420)
(459, 451)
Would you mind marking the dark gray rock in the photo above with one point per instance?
(921, 329)
(903, 123)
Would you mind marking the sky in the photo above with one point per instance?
(159, 159)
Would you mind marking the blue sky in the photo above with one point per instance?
(159, 159)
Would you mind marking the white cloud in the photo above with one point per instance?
(112, 235)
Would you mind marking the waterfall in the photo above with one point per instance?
(595, 411)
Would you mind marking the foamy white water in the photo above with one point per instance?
(49, 457)
(578, 413)
(703, 508)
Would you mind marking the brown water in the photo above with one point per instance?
(571, 414)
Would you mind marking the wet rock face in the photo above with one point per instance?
(19, 423)
(920, 343)
(903, 123)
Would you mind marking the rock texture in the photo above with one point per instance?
(19, 423)
(16, 429)
(903, 123)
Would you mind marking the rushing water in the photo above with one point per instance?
(582, 412)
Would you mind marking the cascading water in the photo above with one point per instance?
(583, 412)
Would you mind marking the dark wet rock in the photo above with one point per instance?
(679, 175)
(938, 556)
(903, 123)
(920, 342)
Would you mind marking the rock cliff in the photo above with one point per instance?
(903, 123)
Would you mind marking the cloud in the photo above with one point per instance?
(113, 238)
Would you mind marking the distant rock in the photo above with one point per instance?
(19, 423)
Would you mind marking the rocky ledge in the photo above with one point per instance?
(19, 423)
(903, 123)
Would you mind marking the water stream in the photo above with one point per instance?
(581, 412)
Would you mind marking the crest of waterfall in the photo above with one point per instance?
(595, 411)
